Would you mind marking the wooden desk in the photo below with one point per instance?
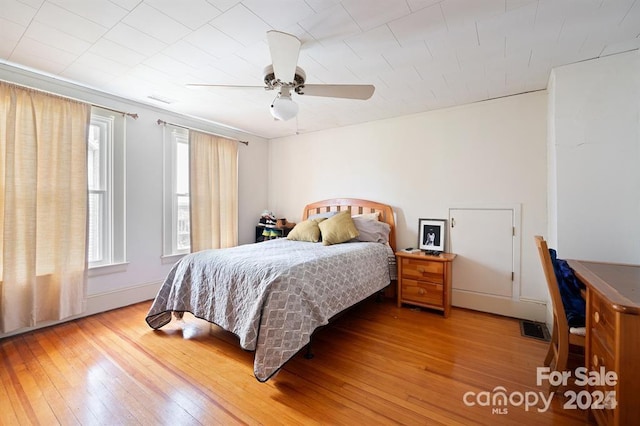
(613, 334)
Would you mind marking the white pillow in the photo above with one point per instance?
(325, 215)
(371, 230)
(369, 216)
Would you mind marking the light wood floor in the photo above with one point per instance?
(378, 364)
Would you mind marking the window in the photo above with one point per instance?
(99, 167)
(181, 196)
(177, 232)
(105, 173)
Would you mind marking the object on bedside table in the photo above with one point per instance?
(268, 219)
(411, 250)
(264, 233)
(269, 228)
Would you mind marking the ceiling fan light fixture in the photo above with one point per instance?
(283, 107)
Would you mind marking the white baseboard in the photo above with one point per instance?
(107, 301)
(549, 319)
(103, 302)
(532, 310)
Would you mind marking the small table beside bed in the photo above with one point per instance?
(274, 294)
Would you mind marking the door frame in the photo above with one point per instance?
(516, 211)
(514, 306)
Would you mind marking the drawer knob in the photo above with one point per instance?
(421, 291)
(597, 362)
(596, 317)
(421, 269)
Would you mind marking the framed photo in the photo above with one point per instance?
(432, 235)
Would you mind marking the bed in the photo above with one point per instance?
(274, 294)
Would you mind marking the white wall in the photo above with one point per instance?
(482, 154)
(139, 279)
(595, 111)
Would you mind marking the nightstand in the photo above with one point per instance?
(425, 280)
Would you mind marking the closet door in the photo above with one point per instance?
(484, 241)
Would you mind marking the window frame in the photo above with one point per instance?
(103, 190)
(113, 218)
(172, 137)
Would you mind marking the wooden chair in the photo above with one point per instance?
(561, 336)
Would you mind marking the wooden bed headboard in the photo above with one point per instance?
(356, 206)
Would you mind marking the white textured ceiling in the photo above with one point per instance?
(420, 54)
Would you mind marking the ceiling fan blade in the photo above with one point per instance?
(284, 49)
(346, 91)
(228, 85)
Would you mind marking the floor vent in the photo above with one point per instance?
(535, 330)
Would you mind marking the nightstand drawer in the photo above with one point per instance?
(422, 292)
(421, 270)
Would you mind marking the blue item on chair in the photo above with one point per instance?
(570, 286)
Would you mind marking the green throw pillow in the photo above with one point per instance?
(338, 229)
(306, 231)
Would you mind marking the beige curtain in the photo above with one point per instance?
(213, 191)
(43, 207)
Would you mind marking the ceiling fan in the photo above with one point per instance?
(286, 77)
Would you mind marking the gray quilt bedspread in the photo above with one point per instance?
(274, 294)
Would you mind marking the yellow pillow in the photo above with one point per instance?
(338, 229)
(306, 231)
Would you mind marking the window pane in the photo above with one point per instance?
(176, 227)
(96, 236)
(94, 157)
(182, 168)
(183, 238)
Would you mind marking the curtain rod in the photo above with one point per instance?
(133, 115)
(197, 130)
(130, 114)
